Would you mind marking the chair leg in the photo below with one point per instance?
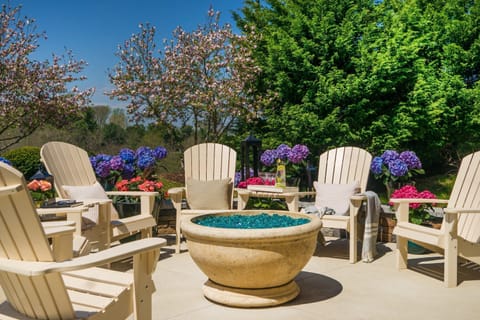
(352, 245)
(178, 235)
(143, 286)
(146, 233)
(451, 261)
(401, 253)
(353, 250)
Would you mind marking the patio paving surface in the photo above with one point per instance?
(331, 288)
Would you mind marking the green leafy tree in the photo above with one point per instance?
(389, 74)
(101, 115)
(119, 118)
(114, 134)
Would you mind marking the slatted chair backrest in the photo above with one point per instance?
(210, 161)
(69, 165)
(466, 194)
(345, 165)
(22, 239)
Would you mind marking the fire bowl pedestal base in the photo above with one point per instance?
(250, 298)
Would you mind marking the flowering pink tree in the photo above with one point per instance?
(33, 93)
(204, 77)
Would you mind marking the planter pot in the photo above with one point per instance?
(127, 209)
(385, 228)
(251, 267)
(414, 248)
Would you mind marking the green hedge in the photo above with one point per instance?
(25, 159)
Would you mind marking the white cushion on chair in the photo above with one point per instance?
(94, 191)
(335, 196)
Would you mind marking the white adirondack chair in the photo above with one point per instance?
(459, 234)
(38, 287)
(209, 163)
(70, 166)
(342, 166)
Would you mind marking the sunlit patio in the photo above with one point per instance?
(331, 288)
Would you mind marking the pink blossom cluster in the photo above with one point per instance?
(32, 92)
(410, 192)
(255, 181)
(205, 76)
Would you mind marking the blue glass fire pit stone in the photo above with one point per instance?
(257, 221)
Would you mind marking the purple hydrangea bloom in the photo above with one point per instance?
(127, 155)
(159, 153)
(103, 169)
(398, 168)
(93, 161)
(238, 178)
(268, 157)
(143, 150)
(298, 153)
(390, 156)
(411, 159)
(145, 160)
(116, 163)
(377, 165)
(128, 171)
(283, 151)
(2, 159)
(103, 157)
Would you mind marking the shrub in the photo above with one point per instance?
(25, 159)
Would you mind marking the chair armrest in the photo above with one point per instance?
(34, 268)
(54, 231)
(358, 197)
(61, 234)
(176, 194)
(176, 191)
(8, 190)
(460, 210)
(53, 224)
(132, 193)
(402, 206)
(78, 209)
(417, 200)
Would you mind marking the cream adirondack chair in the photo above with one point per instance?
(209, 175)
(70, 166)
(459, 234)
(38, 287)
(345, 166)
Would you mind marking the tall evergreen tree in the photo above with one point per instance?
(397, 74)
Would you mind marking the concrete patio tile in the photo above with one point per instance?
(331, 288)
(378, 290)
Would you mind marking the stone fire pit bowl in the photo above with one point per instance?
(251, 267)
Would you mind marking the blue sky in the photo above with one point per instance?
(93, 29)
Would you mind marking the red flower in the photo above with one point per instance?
(249, 181)
(33, 185)
(149, 185)
(138, 184)
(39, 185)
(410, 192)
(122, 185)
